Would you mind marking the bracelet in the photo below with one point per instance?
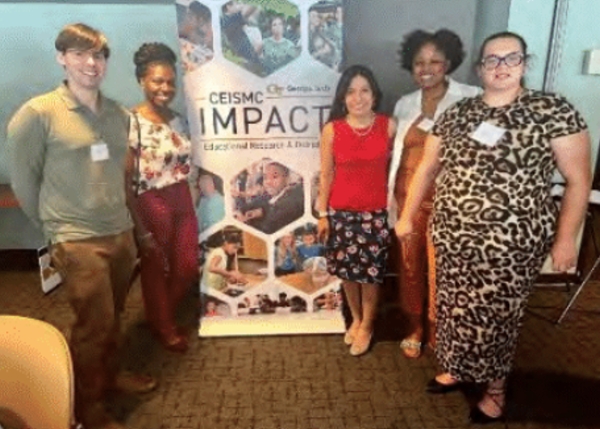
(146, 235)
(322, 214)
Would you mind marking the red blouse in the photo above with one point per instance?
(361, 162)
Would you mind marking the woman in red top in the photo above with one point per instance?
(355, 153)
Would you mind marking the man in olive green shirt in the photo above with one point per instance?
(67, 150)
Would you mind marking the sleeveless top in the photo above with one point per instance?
(414, 146)
(361, 161)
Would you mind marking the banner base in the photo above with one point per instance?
(292, 324)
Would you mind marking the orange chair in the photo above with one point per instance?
(36, 373)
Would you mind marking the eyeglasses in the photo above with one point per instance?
(511, 60)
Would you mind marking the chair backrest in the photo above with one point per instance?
(36, 373)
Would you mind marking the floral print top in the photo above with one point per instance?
(164, 155)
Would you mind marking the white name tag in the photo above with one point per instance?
(99, 152)
(488, 134)
(426, 125)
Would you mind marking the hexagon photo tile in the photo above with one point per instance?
(259, 36)
(267, 195)
(325, 33)
(194, 25)
(299, 260)
(235, 262)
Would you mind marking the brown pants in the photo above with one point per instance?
(417, 275)
(96, 274)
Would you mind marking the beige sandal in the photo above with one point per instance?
(411, 348)
(361, 344)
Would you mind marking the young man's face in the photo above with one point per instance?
(84, 69)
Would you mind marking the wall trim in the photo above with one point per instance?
(555, 47)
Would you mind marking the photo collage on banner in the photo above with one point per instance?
(259, 78)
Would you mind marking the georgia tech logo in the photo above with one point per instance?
(275, 89)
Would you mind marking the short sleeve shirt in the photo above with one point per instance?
(500, 191)
(163, 152)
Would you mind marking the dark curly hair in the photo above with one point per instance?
(338, 107)
(151, 53)
(444, 40)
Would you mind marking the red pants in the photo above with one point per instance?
(168, 272)
(96, 274)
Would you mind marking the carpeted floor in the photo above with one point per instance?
(311, 382)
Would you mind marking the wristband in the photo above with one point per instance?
(322, 214)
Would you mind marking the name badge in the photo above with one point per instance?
(99, 152)
(488, 134)
(426, 125)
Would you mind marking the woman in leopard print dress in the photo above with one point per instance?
(494, 222)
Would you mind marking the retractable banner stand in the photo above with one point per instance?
(259, 77)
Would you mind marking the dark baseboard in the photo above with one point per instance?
(18, 260)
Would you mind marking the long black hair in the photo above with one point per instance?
(338, 107)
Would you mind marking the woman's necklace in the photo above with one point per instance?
(367, 129)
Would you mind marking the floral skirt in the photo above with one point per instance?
(358, 245)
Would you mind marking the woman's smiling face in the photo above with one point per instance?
(501, 77)
(159, 84)
(429, 66)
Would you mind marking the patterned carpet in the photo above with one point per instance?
(311, 382)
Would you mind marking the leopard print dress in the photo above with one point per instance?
(493, 225)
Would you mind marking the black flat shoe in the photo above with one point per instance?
(437, 388)
(479, 417)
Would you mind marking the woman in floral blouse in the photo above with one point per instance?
(159, 168)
